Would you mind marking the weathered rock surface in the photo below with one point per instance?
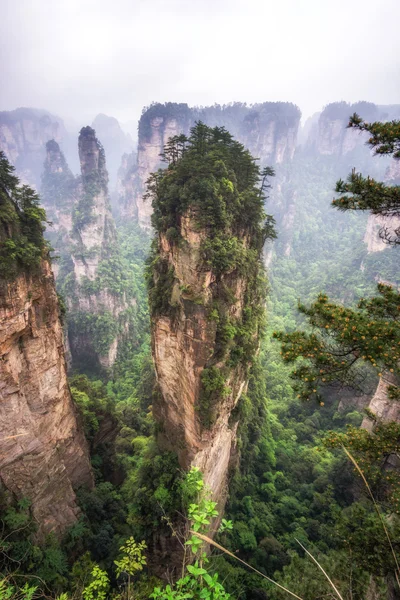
(268, 130)
(58, 194)
(182, 347)
(385, 409)
(43, 452)
(23, 136)
(378, 223)
(124, 190)
(93, 247)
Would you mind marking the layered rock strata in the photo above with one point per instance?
(92, 278)
(88, 268)
(206, 298)
(182, 346)
(43, 452)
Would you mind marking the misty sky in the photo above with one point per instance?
(77, 58)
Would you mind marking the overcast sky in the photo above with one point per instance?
(77, 58)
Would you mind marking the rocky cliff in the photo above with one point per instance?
(23, 136)
(386, 410)
(206, 307)
(59, 194)
(376, 223)
(327, 132)
(92, 278)
(268, 130)
(115, 143)
(182, 347)
(44, 455)
(43, 452)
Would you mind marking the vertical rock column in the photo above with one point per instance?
(43, 452)
(94, 294)
(206, 296)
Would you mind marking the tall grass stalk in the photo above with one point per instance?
(322, 569)
(212, 543)
(382, 520)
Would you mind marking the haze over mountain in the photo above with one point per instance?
(199, 300)
(81, 58)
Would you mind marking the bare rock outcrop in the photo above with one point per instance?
(92, 283)
(182, 347)
(328, 133)
(88, 270)
(268, 130)
(59, 194)
(381, 405)
(377, 223)
(206, 299)
(23, 136)
(43, 453)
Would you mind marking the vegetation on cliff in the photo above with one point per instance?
(214, 183)
(293, 481)
(342, 338)
(22, 245)
(330, 352)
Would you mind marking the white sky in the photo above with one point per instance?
(77, 58)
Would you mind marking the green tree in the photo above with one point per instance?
(22, 223)
(364, 193)
(98, 588)
(131, 562)
(342, 338)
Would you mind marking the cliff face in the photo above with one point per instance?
(115, 143)
(385, 409)
(91, 276)
(182, 346)
(59, 195)
(268, 130)
(206, 305)
(44, 455)
(124, 190)
(377, 222)
(23, 136)
(328, 134)
(88, 270)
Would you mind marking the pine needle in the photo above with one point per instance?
(210, 541)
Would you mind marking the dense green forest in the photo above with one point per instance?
(294, 489)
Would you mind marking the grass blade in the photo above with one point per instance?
(320, 567)
(355, 463)
(210, 541)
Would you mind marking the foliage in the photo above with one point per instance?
(374, 453)
(132, 557)
(22, 245)
(365, 193)
(196, 582)
(98, 587)
(344, 337)
(212, 180)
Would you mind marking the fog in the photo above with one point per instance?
(77, 58)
